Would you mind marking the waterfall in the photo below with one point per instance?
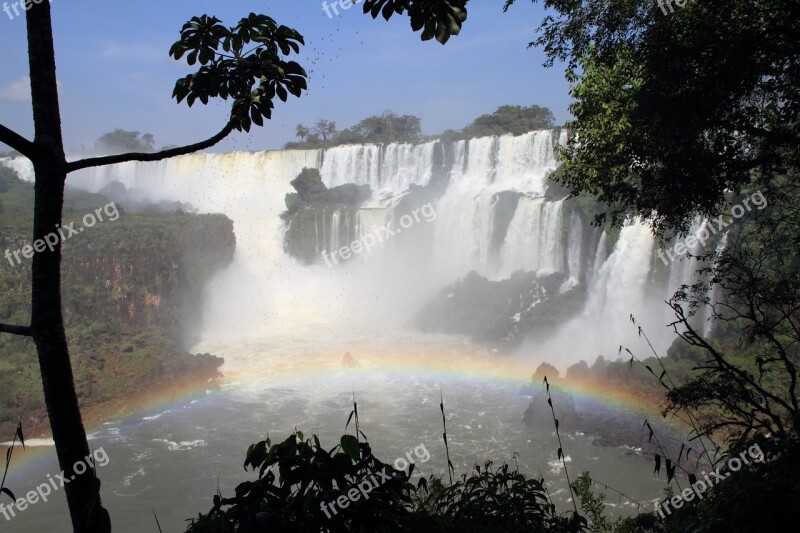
(574, 248)
(534, 240)
(599, 258)
(477, 227)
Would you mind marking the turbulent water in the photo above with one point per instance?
(283, 327)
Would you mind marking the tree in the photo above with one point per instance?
(512, 119)
(325, 129)
(121, 141)
(246, 64)
(675, 106)
(251, 79)
(302, 132)
(752, 379)
(319, 134)
(387, 127)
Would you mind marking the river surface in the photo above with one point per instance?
(172, 457)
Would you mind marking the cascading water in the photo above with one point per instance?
(541, 235)
(574, 242)
(283, 326)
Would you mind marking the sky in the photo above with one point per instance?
(114, 70)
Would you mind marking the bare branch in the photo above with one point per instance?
(24, 331)
(156, 156)
(16, 141)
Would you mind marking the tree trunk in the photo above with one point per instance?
(47, 320)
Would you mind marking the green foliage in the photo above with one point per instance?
(131, 285)
(749, 378)
(244, 63)
(121, 141)
(389, 127)
(297, 477)
(497, 500)
(512, 119)
(758, 497)
(386, 128)
(662, 140)
(436, 18)
(592, 506)
(8, 178)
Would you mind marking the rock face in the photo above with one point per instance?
(318, 218)
(501, 313)
(132, 302)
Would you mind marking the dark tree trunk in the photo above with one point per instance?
(47, 320)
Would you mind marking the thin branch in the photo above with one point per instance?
(638, 504)
(24, 331)
(156, 156)
(16, 141)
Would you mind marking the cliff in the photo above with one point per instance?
(132, 298)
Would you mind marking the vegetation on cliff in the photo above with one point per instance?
(133, 296)
(390, 127)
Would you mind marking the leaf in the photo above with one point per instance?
(658, 465)
(670, 470)
(8, 491)
(650, 437)
(350, 446)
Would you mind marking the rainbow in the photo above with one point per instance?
(441, 367)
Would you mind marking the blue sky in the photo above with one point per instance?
(114, 71)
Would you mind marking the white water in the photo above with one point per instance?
(283, 327)
(264, 288)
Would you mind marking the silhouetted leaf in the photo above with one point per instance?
(350, 446)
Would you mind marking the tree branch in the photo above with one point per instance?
(16, 141)
(156, 156)
(24, 331)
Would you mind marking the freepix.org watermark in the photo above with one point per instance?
(18, 6)
(700, 486)
(667, 4)
(62, 233)
(332, 8)
(368, 240)
(368, 485)
(709, 228)
(43, 491)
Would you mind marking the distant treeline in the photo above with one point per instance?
(390, 127)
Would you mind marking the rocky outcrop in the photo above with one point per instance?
(501, 313)
(318, 218)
